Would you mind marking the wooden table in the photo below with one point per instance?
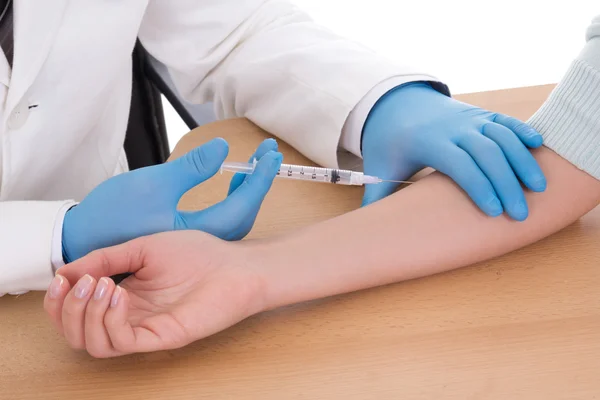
(524, 326)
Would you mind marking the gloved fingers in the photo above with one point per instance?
(491, 161)
(73, 312)
(193, 168)
(266, 146)
(255, 187)
(461, 168)
(223, 219)
(97, 340)
(529, 136)
(54, 300)
(520, 158)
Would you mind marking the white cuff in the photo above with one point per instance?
(26, 230)
(57, 254)
(352, 131)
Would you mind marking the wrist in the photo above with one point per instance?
(295, 268)
(57, 235)
(260, 259)
(403, 99)
(276, 270)
(65, 253)
(394, 109)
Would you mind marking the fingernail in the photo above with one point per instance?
(219, 145)
(114, 301)
(82, 289)
(533, 132)
(495, 207)
(537, 138)
(273, 142)
(55, 287)
(101, 289)
(218, 141)
(539, 183)
(519, 211)
(277, 159)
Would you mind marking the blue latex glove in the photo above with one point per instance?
(144, 201)
(485, 153)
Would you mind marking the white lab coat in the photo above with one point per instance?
(261, 59)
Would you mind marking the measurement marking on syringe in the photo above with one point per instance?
(343, 177)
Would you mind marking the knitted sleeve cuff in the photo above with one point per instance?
(569, 120)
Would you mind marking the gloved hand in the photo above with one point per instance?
(144, 201)
(485, 153)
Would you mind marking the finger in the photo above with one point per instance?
(266, 146)
(529, 136)
(461, 168)
(54, 300)
(73, 313)
(124, 258)
(519, 157)
(241, 206)
(124, 337)
(494, 165)
(194, 167)
(97, 340)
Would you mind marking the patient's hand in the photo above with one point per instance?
(185, 286)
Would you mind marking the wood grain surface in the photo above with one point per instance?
(523, 326)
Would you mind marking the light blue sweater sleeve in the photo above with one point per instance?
(569, 120)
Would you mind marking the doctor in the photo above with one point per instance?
(65, 93)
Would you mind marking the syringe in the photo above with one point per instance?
(312, 174)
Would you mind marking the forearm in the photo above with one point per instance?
(257, 58)
(432, 226)
(427, 228)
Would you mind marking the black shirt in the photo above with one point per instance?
(7, 41)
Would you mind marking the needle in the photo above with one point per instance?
(391, 181)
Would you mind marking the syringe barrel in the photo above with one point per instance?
(303, 173)
(238, 167)
(316, 174)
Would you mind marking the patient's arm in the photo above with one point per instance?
(427, 228)
(432, 226)
(187, 285)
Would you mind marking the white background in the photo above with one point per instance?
(471, 45)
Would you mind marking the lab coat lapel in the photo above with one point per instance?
(36, 23)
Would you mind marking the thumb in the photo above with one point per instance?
(266, 146)
(238, 210)
(196, 166)
(124, 258)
